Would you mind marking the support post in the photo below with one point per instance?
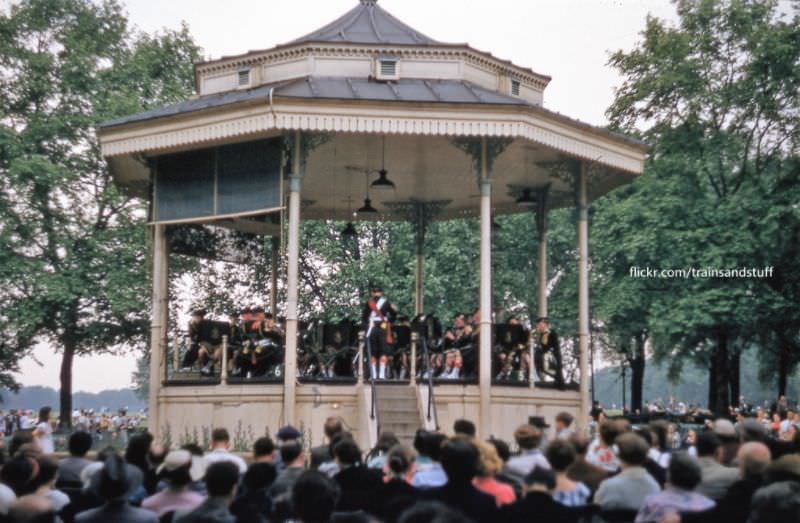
(412, 365)
(541, 225)
(583, 291)
(293, 253)
(223, 367)
(418, 273)
(176, 354)
(360, 366)
(485, 355)
(158, 323)
(273, 290)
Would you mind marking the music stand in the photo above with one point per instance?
(509, 336)
(402, 336)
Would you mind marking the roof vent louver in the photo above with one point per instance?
(515, 87)
(244, 78)
(386, 69)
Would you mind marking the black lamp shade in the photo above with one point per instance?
(367, 208)
(382, 182)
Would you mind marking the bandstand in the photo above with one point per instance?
(296, 130)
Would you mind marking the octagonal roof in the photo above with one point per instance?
(367, 23)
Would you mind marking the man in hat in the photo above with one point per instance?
(179, 470)
(377, 316)
(114, 483)
(547, 345)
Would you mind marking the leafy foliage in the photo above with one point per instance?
(73, 248)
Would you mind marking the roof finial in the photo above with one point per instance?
(368, 2)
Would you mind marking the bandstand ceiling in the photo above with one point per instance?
(430, 168)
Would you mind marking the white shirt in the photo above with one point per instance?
(45, 437)
(24, 423)
(7, 497)
(218, 455)
(374, 314)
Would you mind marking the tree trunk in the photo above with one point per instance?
(735, 377)
(637, 373)
(723, 376)
(65, 394)
(712, 384)
(783, 365)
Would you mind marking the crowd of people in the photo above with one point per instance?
(737, 471)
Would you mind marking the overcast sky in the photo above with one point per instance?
(569, 40)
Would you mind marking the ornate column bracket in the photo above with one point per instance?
(471, 145)
(419, 212)
(541, 193)
(563, 169)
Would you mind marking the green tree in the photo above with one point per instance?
(717, 98)
(73, 254)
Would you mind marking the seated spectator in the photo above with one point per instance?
(564, 425)
(356, 481)
(716, 478)
(264, 450)
(45, 482)
(460, 463)
(581, 470)
(294, 460)
(628, 489)
(19, 439)
(7, 498)
(220, 450)
(114, 483)
(429, 471)
(658, 472)
(255, 504)
(17, 475)
(178, 470)
(601, 451)
(314, 497)
(69, 468)
(538, 504)
(729, 441)
(430, 511)
(376, 458)
(221, 479)
(489, 465)
(779, 501)
(464, 427)
(32, 509)
(396, 493)
(321, 454)
(286, 434)
(330, 468)
(504, 475)
(561, 454)
(683, 476)
(137, 454)
(528, 438)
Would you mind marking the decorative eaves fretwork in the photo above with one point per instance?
(558, 136)
(473, 146)
(418, 212)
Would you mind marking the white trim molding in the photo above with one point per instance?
(525, 122)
